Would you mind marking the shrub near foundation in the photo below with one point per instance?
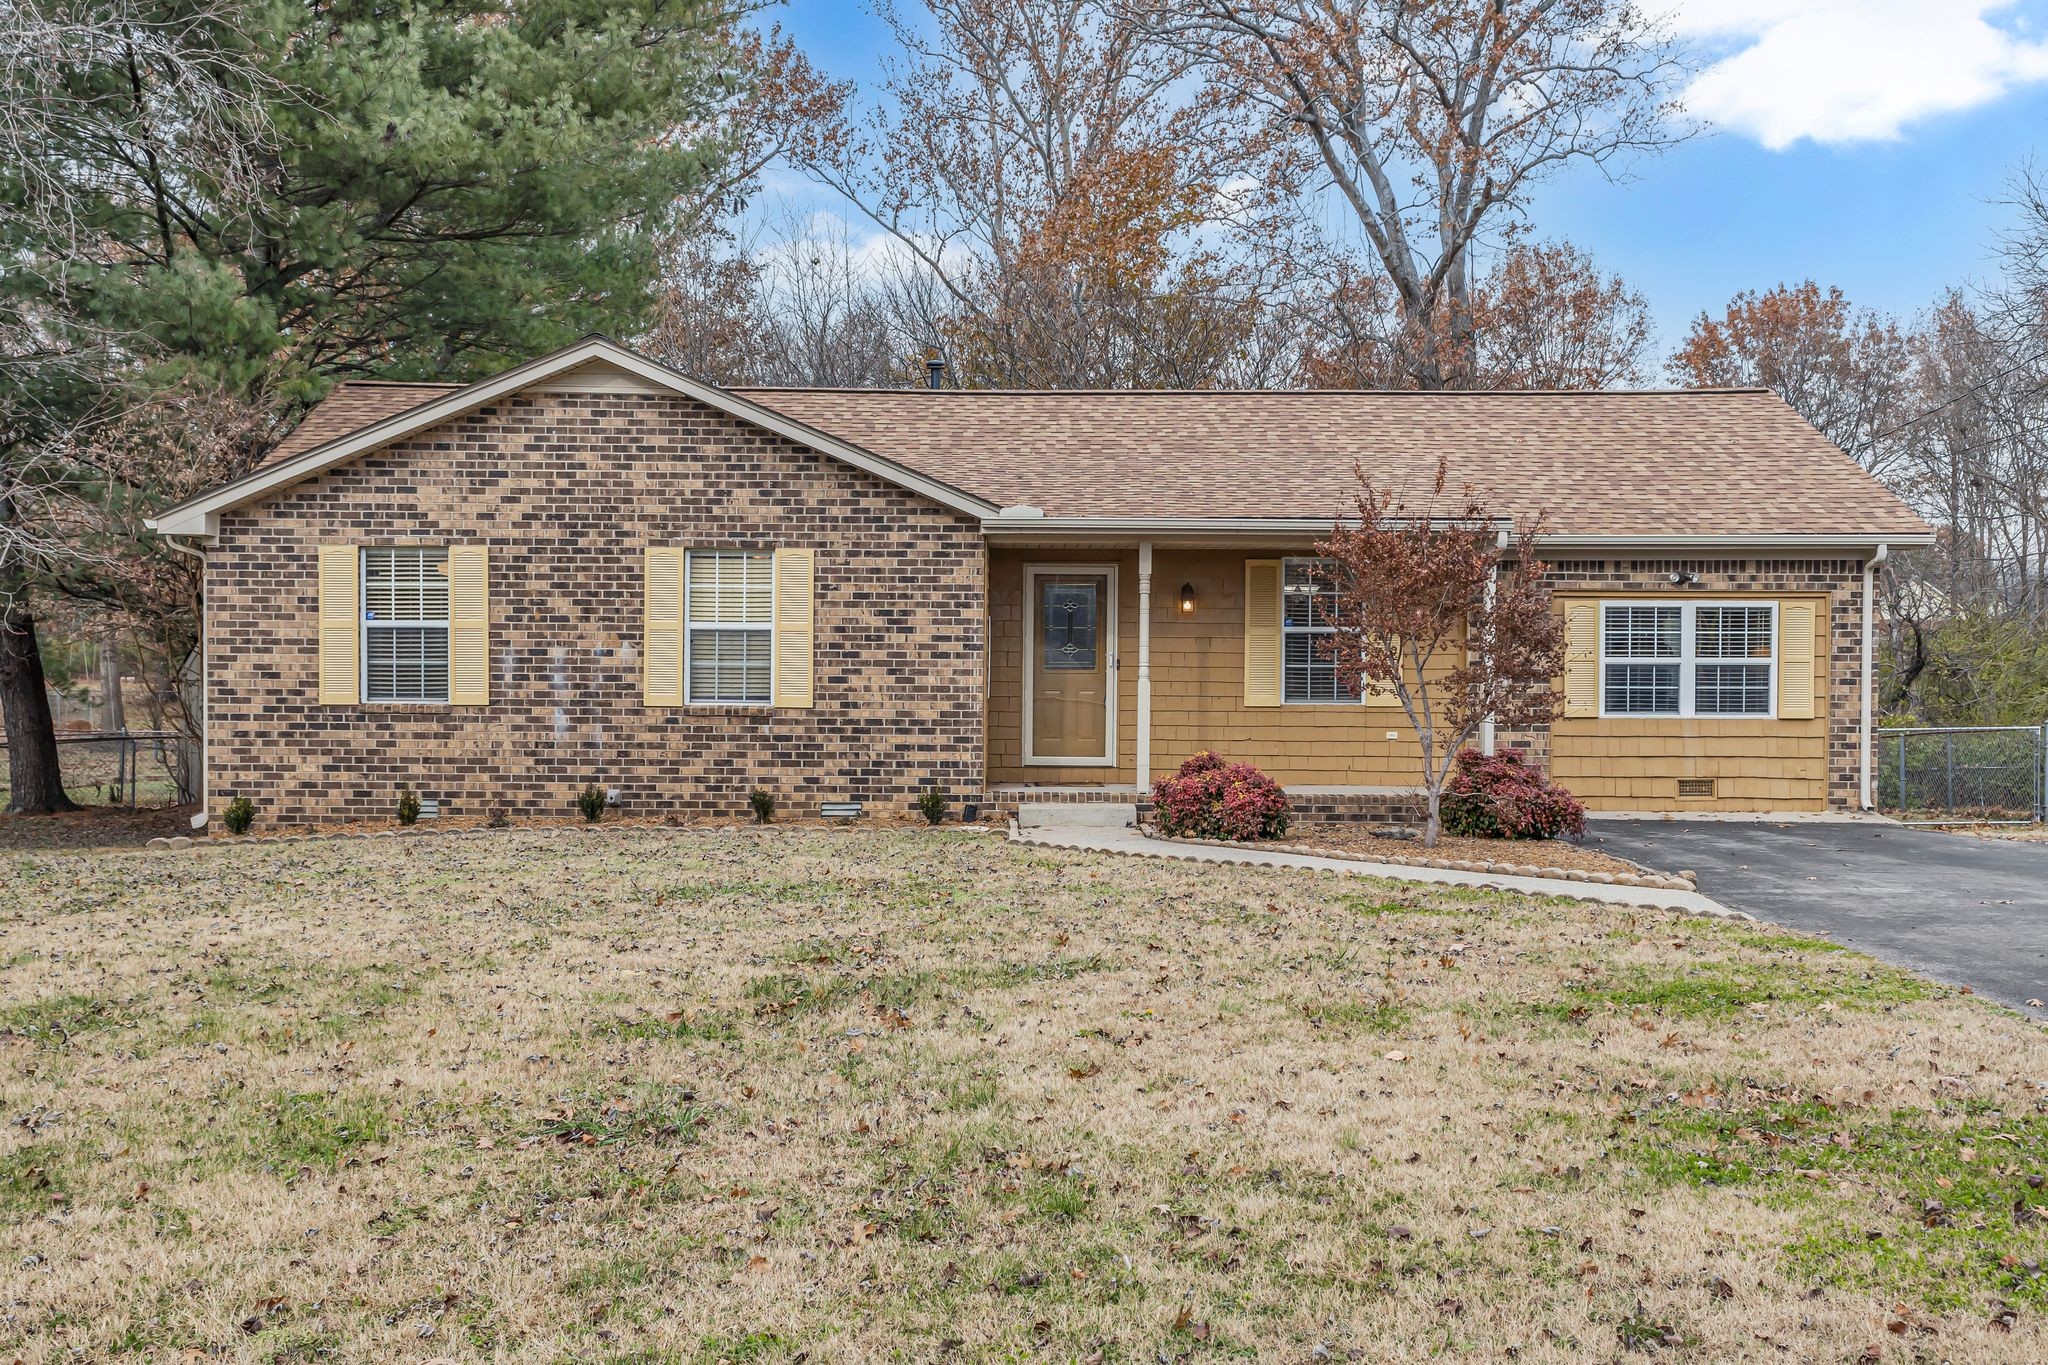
(1209, 798)
(1503, 797)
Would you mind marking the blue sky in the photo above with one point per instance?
(1864, 143)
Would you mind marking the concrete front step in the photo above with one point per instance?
(1076, 815)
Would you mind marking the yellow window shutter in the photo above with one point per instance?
(661, 603)
(341, 625)
(795, 608)
(1797, 675)
(1582, 659)
(1262, 632)
(469, 626)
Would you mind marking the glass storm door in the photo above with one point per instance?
(1072, 667)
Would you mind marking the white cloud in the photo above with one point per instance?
(1852, 70)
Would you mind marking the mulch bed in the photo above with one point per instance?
(94, 827)
(1351, 837)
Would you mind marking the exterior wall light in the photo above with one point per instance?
(1187, 599)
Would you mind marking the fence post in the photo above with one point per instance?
(1902, 775)
(2041, 776)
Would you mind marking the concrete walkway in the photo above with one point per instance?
(1097, 839)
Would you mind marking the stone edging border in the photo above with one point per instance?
(1680, 881)
(183, 842)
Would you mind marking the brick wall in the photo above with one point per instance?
(567, 490)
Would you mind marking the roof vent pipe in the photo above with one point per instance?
(934, 373)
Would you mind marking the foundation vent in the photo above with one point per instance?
(1695, 786)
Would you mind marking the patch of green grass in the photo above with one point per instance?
(1777, 941)
(745, 1347)
(56, 1021)
(300, 1346)
(677, 1026)
(29, 1178)
(1010, 975)
(979, 1090)
(1722, 988)
(1464, 901)
(666, 1114)
(1357, 1016)
(312, 1129)
(1950, 1215)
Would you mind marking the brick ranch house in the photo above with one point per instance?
(591, 567)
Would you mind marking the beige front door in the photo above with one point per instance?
(1070, 689)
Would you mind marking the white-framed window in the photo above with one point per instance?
(728, 627)
(1307, 675)
(405, 623)
(1688, 658)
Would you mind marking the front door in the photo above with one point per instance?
(1070, 678)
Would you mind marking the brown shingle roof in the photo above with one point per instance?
(1724, 462)
(1717, 462)
(350, 406)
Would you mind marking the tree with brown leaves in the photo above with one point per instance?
(1543, 317)
(1035, 165)
(1428, 605)
(1433, 120)
(1844, 370)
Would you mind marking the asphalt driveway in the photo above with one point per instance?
(1973, 912)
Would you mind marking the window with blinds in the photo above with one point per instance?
(1307, 674)
(1688, 659)
(405, 624)
(729, 615)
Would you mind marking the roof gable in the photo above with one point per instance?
(370, 416)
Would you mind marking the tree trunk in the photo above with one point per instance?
(1433, 825)
(113, 714)
(36, 785)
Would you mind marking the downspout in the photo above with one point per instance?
(1869, 684)
(205, 692)
(1486, 739)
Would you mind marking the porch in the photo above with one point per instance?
(1112, 662)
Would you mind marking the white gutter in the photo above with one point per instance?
(1869, 683)
(1019, 523)
(205, 699)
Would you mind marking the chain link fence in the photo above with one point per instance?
(1968, 775)
(140, 768)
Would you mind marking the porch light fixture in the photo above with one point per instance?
(1187, 599)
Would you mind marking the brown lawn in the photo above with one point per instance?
(654, 1096)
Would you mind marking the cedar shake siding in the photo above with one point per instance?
(567, 491)
(1756, 764)
(1761, 763)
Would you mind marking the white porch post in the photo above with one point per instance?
(1486, 736)
(1144, 666)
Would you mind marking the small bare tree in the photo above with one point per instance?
(1411, 588)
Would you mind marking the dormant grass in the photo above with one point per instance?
(753, 1095)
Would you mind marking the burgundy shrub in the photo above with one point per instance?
(1212, 799)
(1503, 797)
